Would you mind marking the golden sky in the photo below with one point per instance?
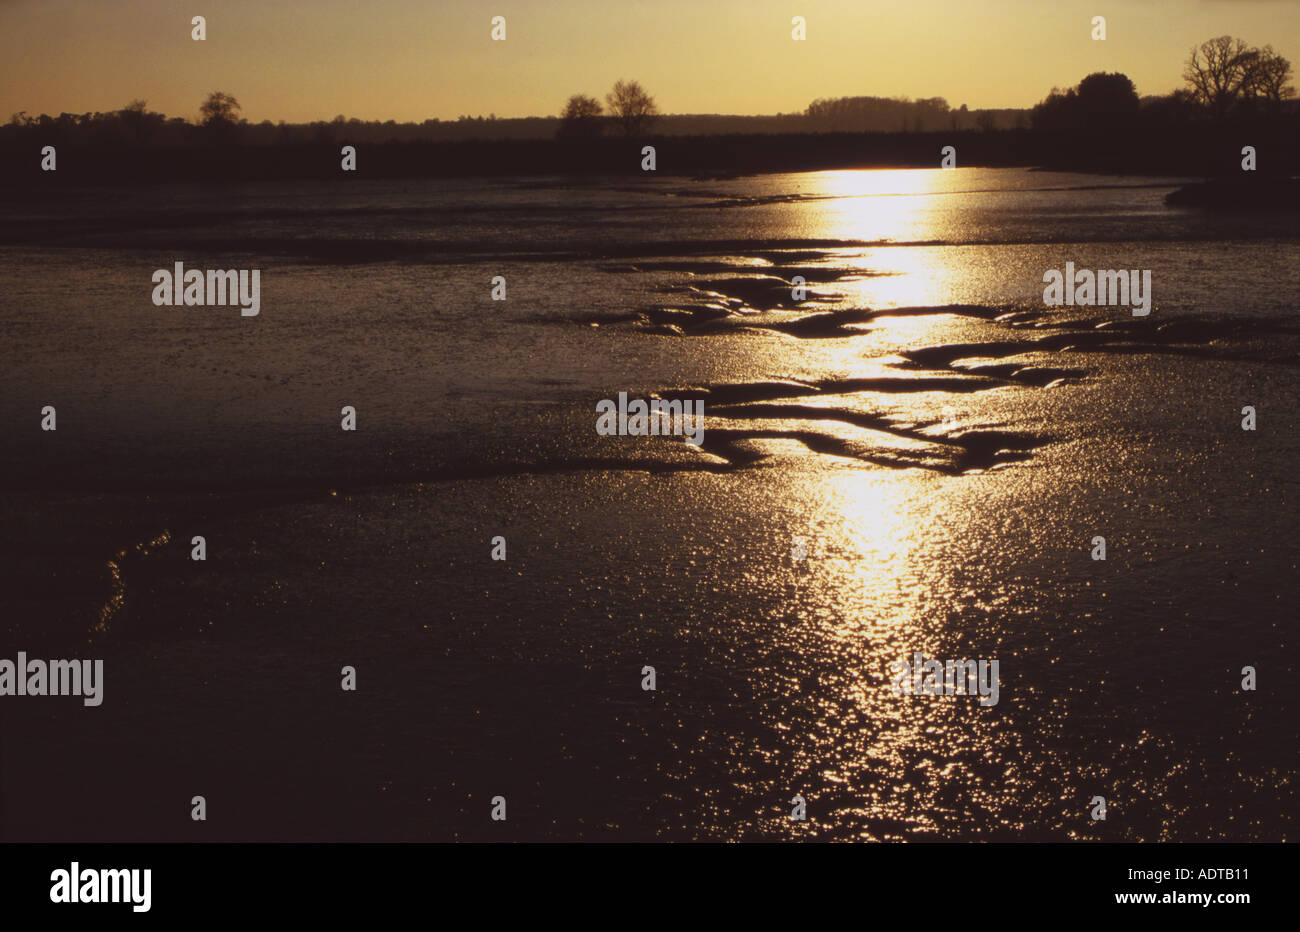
(301, 60)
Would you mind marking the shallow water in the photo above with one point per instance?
(946, 447)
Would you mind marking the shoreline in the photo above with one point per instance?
(1195, 151)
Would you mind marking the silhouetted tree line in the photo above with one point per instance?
(903, 115)
(1233, 95)
(1099, 124)
(1226, 80)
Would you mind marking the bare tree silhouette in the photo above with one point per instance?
(1222, 72)
(1268, 78)
(632, 108)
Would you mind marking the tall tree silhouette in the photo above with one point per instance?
(633, 109)
(1267, 81)
(1223, 72)
(219, 108)
(219, 115)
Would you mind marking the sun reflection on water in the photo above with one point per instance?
(888, 207)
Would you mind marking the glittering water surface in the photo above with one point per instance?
(938, 446)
